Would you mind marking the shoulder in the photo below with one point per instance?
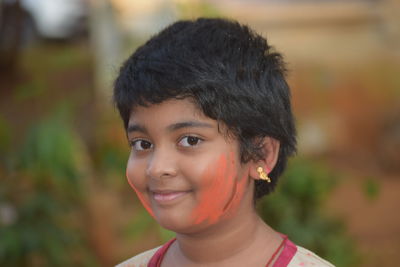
(306, 258)
(140, 260)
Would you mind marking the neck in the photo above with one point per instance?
(233, 239)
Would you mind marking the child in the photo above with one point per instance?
(207, 113)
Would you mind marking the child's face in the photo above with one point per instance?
(185, 172)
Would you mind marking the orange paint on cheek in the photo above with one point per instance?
(141, 197)
(237, 195)
(213, 200)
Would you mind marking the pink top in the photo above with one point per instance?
(156, 260)
(289, 250)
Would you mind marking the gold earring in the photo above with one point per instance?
(263, 175)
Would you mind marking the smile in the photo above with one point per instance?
(166, 197)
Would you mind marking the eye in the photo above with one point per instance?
(141, 144)
(189, 141)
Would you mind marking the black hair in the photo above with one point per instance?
(230, 72)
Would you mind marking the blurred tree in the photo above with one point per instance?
(41, 200)
(10, 36)
(106, 43)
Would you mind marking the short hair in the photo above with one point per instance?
(230, 72)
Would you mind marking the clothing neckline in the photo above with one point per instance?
(288, 252)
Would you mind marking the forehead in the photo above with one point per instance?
(168, 111)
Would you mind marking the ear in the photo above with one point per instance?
(270, 148)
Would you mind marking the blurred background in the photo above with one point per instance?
(64, 200)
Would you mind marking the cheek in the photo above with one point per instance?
(136, 179)
(221, 191)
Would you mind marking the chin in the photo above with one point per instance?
(184, 227)
(178, 225)
(170, 221)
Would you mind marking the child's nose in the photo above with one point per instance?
(162, 164)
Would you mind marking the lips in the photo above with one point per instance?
(167, 196)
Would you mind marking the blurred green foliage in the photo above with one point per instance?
(297, 209)
(41, 199)
(371, 188)
(29, 90)
(5, 136)
(139, 225)
(190, 10)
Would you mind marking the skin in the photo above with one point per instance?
(189, 177)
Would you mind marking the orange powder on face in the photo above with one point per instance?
(142, 199)
(218, 196)
(237, 195)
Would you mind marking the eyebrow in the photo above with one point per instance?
(188, 124)
(172, 127)
(136, 128)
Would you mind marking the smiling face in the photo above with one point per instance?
(186, 173)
